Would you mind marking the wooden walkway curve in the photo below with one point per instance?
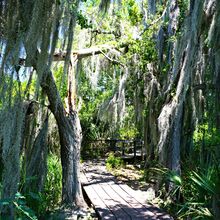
(116, 201)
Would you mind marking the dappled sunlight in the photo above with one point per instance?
(108, 195)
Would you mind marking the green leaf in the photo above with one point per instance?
(19, 196)
(203, 182)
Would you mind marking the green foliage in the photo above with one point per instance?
(204, 135)
(93, 150)
(61, 80)
(205, 181)
(165, 175)
(22, 211)
(200, 190)
(183, 6)
(92, 98)
(113, 161)
(50, 197)
(53, 185)
(133, 11)
(145, 48)
(82, 20)
(193, 191)
(128, 130)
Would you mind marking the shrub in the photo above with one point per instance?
(113, 162)
(50, 197)
(53, 184)
(21, 210)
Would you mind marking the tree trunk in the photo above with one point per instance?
(172, 112)
(12, 120)
(70, 157)
(70, 141)
(36, 153)
(151, 8)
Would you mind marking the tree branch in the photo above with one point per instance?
(154, 22)
(82, 53)
(112, 60)
(98, 31)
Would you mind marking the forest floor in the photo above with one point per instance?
(72, 214)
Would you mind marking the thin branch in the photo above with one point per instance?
(98, 31)
(112, 60)
(154, 22)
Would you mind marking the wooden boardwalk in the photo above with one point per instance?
(113, 200)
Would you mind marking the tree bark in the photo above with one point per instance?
(70, 141)
(12, 120)
(172, 112)
(38, 152)
(151, 8)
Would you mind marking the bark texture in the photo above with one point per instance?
(12, 129)
(70, 141)
(38, 152)
(171, 115)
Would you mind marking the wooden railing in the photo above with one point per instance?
(127, 148)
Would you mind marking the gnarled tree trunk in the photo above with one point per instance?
(172, 113)
(70, 141)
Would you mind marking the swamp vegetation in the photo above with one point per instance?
(73, 72)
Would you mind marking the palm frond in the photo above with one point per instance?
(204, 182)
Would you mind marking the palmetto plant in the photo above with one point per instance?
(204, 203)
(203, 200)
(196, 192)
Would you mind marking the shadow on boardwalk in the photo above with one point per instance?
(114, 200)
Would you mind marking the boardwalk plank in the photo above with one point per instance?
(133, 202)
(114, 200)
(158, 213)
(128, 193)
(110, 203)
(100, 206)
(122, 201)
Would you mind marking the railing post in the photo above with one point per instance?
(113, 145)
(135, 149)
(123, 148)
(142, 150)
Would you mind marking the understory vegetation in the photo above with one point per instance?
(108, 79)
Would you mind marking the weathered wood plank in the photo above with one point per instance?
(140, 208)
(114, 207)
(99, 205)
(122, 201)
(112, 204)
(158, 213)
(117, 200)
(127, 202)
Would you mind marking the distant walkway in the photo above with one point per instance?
(127, 149)
(113, 200)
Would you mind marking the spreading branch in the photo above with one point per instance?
(98, 31)
(82, 53)
(154, 22)
(112, 60)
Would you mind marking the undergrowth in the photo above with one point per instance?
(113, 162)
(192, 195)
(31, 205)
